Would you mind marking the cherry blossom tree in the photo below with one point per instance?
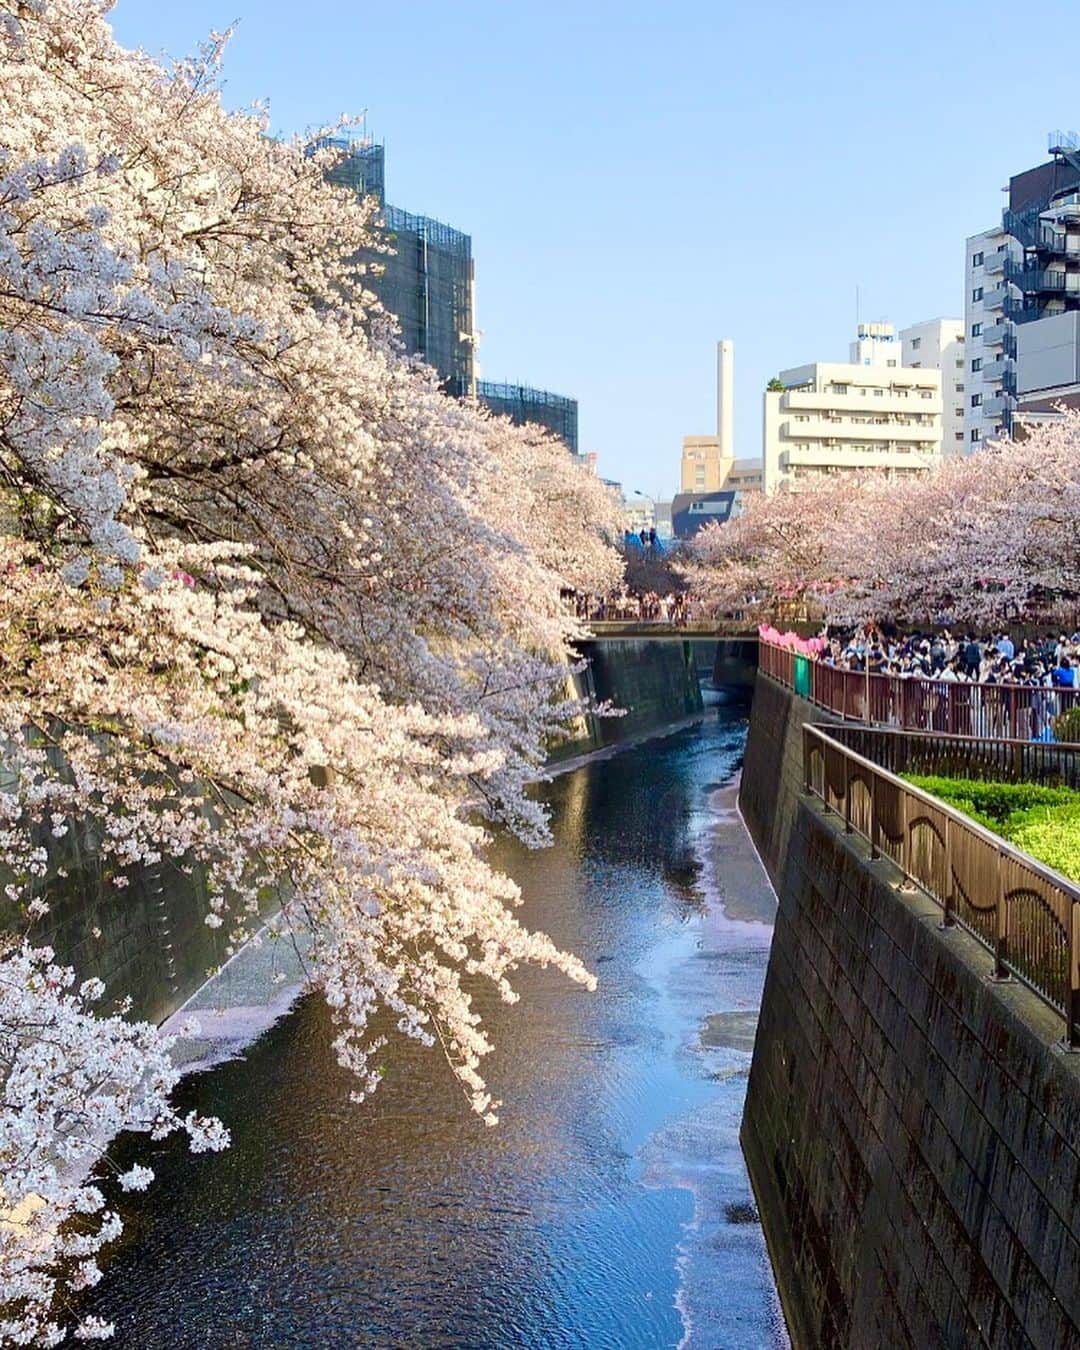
(777, 555)
(274, 606)
(985, 539)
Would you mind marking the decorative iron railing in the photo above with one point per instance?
(1026, 914)
(1017, 712)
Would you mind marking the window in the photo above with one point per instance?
(959, 387)
(958, 412)
(976, 365)
(915, 365)
(976, 259)
(879, 393)
(839, 388)
(977, 293)
(926, 393)
(916, 343)
(960, 363)
(976, 434)
(976, 330)
(976, 400)
(959, 436)
(890, 363)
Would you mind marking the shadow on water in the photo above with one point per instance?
(404, 1221)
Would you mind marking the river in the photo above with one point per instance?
(610, 1207)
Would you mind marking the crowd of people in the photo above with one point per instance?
(628, 607)
(961, 657)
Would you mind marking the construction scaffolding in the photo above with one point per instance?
(522, 404)
(361, 166)
(426, 280)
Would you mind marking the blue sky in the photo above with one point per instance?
(642, 179)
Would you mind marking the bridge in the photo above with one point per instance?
(703, 629)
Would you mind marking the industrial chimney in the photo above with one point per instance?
(725, 397)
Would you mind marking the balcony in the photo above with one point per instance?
(994, 334)
(1032, 232)
(822, 429)
(861, 457)
(994, 262)
(994, 296)
(993, 372)
(887, 402)
(997, 407)
(1042, 280)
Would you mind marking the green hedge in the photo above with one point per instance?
(1043, 821)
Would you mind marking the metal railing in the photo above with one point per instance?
(1026, 914)
(980, 757)
(1017, 712)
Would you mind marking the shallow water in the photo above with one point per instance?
(610, 1208)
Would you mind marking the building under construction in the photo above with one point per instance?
(427, 281)
(521, 403)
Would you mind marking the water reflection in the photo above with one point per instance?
(405, 1222)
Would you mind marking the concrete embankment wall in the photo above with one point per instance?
(654, 680)
(911, 1131)
(147, 940)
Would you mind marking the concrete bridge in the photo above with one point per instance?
(661, 628)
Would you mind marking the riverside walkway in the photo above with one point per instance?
(1015, 712)
(1023, 911)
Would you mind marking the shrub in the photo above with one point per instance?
(989, 802)
(1042, 821)
(1052, 835)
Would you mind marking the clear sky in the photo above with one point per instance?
(640, 180)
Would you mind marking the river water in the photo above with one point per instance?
(610, 1208)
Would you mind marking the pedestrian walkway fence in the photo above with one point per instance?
(1006, 711)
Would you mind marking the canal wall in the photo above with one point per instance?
(148, 940)
(911, 1130)
(655, 680)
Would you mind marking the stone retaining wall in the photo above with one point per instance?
(911, 1129)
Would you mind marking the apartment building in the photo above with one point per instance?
(990, 341)
(832, 418)
(939, 344)
(1022, 283)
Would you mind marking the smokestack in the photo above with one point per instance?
(725, 397)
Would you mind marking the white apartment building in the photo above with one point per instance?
(938, 344)
(850, 418)
(990, 344)
(876, 344)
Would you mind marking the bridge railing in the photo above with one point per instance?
(1026, 914)
(955, 708)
